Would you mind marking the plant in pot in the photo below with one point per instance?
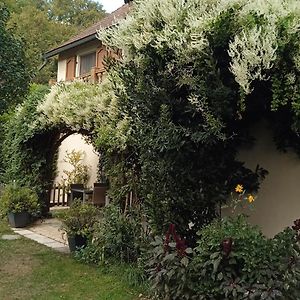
(77, 172)
(78, 222)
(19, 204)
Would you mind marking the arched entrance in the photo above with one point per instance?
(90, 157)
(66, 142)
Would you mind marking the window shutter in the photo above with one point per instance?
(71, 65)
(101, 54)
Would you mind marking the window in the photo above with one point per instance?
(87, 62)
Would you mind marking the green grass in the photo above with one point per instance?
(32, 271)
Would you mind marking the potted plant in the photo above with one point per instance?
(76, 174)
(78, 222)
(19, 204)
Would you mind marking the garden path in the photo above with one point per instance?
(46, 232)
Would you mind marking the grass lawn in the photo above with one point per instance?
(32, 271)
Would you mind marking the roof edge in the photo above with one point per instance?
(71, 45)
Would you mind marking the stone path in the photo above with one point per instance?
(46, 232)
(10, 237)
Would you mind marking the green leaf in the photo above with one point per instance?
(185, 261)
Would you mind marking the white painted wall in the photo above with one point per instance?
(61, 70)
(278, 201)
(91, 159)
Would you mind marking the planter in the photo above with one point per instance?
(19, 220)
(76, 241)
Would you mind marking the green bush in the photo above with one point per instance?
(233, 260)
(17, 199)
(80, 218)
(168, 264)
(90, 254)
(119, 235)
(287, 260)
(28, 149)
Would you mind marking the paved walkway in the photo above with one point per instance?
(46, 232)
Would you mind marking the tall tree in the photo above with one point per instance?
(80, 13)
(44, 24)
(14, 78)
(39, 35)
(16, 6)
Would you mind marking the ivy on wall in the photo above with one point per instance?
(171, 116)
(195, 75)
(28, 151)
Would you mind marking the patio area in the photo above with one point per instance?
(46, 232)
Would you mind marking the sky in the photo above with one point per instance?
(111, 5)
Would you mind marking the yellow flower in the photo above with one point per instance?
(239, 188)
(250, 198)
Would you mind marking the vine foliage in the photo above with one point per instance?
(171, 115)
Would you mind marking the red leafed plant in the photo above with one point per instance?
(180, 243)
(168, 266)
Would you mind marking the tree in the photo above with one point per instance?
(16, 6)
(14, 78)
(80, 13)
(43, 25)
(195, 75)
(39, 34)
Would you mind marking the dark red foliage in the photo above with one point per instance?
(180, 243)
(226, 246)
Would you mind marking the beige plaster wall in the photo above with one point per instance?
(61, 70)
(278, 201)
(91, 159)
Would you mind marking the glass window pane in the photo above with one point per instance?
(87, 62)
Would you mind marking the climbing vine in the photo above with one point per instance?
(171, 115)
(195, 75)
(27, 151)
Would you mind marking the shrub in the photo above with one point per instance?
(233, 260)
(28, 149)
(168, 267)
(17, 199)
(80, 218)
(119, 235)
(90, 254)
(287, 260)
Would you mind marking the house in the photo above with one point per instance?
(82, 57)
(278, 201)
